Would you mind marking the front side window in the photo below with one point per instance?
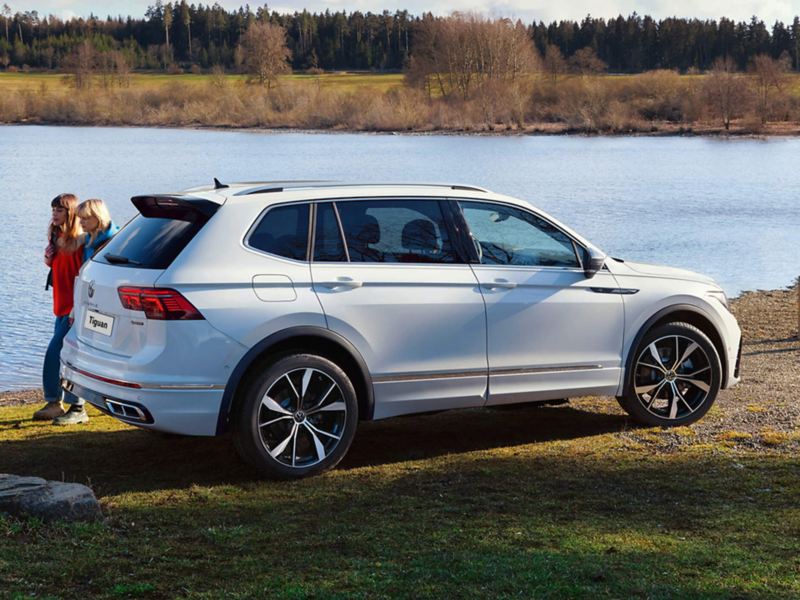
(283, 231)
(511, 236)
(396, 231)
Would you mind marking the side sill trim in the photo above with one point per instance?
(493, 372)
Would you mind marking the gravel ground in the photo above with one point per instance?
(763, 411)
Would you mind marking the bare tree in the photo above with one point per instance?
(6, 12)
(266, 54)
(554, 62)
(115, 70)
(186, 19)
(768, 76)
(167, 17)
(586, 62)
(82, 62)
(724, 90)
(463, 52)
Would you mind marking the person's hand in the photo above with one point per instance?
(49, 253)
(71, 318)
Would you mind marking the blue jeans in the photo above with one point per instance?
(51, 378)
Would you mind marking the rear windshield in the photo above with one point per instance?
(148, 243)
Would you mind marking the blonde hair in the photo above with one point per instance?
(97, 209)
(68, 236)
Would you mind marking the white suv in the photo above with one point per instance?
(286, 312)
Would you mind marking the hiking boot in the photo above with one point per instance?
(50, 411)
(74, 416)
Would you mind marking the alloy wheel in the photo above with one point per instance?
(673, 377)
(301, 417)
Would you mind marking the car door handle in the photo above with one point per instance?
(500, 284)
(342, 282)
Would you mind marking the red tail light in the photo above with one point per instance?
(159, 303)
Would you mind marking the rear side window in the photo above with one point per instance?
(148, 243)
(283, 231)
(328, 245)
(396, 231)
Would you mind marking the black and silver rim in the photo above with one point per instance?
(673, 377)
(302, 417)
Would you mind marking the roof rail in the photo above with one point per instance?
(280, 186)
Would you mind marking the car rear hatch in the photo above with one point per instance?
(118, 283)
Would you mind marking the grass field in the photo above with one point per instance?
(346, 81)
(557, 502)
(546, 503)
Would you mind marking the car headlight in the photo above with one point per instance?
(720, 296)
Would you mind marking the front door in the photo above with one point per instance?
(551, 333)
(398, 289)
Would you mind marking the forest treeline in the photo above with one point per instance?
(179, 35)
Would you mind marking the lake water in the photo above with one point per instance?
(728, 208)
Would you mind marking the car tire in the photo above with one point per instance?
(298, 417)
(674, 376)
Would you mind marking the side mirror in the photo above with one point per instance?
(593, 261)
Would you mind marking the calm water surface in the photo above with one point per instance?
(730, 209)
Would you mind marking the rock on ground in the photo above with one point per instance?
(48, 500)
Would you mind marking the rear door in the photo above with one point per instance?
(551, 331)
(136, 256)
(399, 289)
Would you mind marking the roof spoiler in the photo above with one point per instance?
(178, 207)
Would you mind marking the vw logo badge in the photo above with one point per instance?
(91, 289)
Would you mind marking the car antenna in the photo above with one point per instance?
(218, 185)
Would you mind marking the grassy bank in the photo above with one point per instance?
(658, 102)
(558, 502)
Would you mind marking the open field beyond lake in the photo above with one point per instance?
(653, 103)
(556, 502)
(61, 83)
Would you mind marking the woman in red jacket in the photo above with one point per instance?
(63, 255)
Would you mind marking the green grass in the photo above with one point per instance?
(528, 503)
(347, 81)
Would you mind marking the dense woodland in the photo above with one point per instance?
(181, 35)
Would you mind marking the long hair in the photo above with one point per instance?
(97, 209)
(67, 237)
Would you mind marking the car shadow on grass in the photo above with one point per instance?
(134, 460)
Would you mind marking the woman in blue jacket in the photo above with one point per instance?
(97, 225)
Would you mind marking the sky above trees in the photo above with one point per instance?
(528, 10)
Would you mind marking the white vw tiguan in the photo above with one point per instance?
(285, 312)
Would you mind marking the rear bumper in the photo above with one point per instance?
(183, 411)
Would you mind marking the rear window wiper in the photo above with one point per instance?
(116, 259)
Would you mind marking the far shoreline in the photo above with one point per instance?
(536, 130)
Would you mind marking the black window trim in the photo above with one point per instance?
(446, 216)
(576, 244)
(342, 237)
(313, 233)
(456, 225)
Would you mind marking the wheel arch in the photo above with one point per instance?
(316, 340)
(684, 313)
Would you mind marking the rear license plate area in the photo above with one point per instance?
(98, 322)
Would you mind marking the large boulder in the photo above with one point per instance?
(48, 500)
